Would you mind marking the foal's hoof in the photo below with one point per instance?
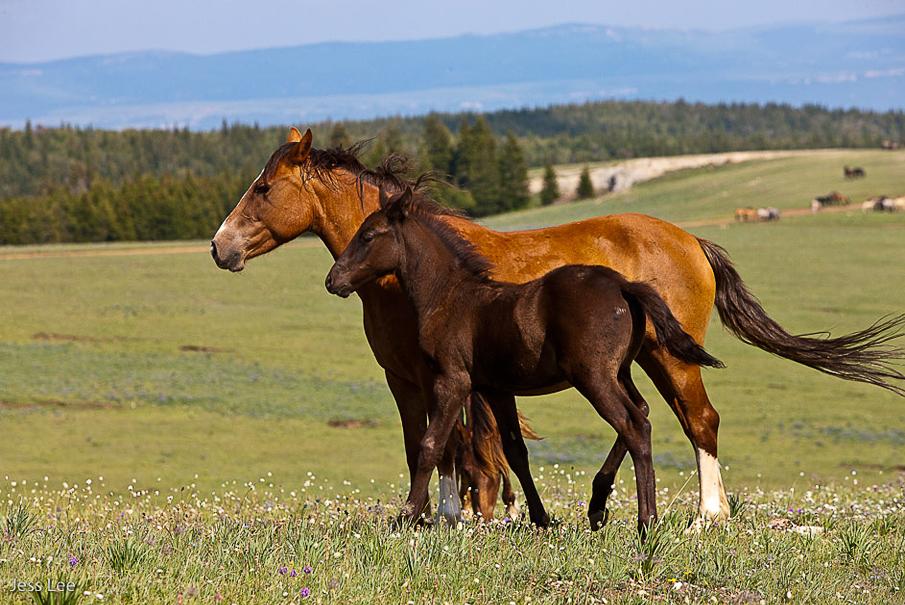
(540, 521)
(598, 518)
(400, 522)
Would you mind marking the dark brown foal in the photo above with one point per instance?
(578, 325)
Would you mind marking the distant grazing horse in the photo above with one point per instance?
(329, 193)
(744, 215)
(880, 204)
(577, 324)
(768, 214)
(749, 214)
(833, 198)
(853, 173)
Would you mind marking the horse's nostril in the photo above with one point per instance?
(214, 249)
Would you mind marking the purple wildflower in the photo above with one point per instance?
(73, 560)
(283, 570)
(305, 592)
(293, 573)
(307, 569)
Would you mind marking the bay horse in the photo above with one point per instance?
(330, 192)
(578, 325)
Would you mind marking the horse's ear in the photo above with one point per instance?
(302, 147)
(294, 135)
(382, 198)
(400, 207)
(407, 200)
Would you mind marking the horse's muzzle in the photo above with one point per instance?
(334, 286)
(232, 262)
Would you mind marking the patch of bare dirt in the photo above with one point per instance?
(351, 423)
(55, 403)
(202, 349)
(54, 336)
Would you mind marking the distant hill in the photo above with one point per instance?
(859, 64)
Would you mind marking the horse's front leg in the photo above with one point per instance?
(450, 392)
(410, 402)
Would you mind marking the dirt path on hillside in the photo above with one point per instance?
(792, 212)
(627, 173)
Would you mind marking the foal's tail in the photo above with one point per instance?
(862, 356)
(668, 329)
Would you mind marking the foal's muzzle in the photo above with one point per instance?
(337, 286)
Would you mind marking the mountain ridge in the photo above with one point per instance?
(856, 63)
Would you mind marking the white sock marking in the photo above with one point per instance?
(713, 503)
(449, 508)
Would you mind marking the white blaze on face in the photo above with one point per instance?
(713, 504)
(449, 507)
(223, 224)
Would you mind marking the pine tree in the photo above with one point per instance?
(477, 169)
(436, 145)
(339, 136)
(513, 175)
(585, 186)
(550, 191)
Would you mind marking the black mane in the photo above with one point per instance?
(393, 174)
(428, 212)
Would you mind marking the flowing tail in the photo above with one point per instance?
(862, 356)
(482, 437)
(667, 328)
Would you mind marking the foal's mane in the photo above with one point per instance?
(427, 212)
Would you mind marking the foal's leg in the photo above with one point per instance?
(615, 406)
(450, 395)
(682, 387)
(517, 455)
(602, 486)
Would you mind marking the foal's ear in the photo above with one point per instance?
(399, 208)
(383, 198)
(302, 147)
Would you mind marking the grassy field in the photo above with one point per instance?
(159, 372)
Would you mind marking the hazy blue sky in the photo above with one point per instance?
(36, 30)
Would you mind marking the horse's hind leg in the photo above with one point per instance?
(602, 486)
(517, 455)
(681, 386)
(612, 401)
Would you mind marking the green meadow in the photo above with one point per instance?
(155, 373)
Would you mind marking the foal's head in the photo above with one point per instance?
(377, 248)
(408, 223)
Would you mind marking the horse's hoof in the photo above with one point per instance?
(598, 518)
(541, 521)
(513, 511)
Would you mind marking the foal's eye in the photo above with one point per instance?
(367, 236)
(262, 188)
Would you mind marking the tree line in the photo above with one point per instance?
(83, 184)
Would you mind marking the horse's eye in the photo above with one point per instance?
(367, 236)
(262, 188)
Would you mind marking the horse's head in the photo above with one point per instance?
(375, 251)
(277, 207)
